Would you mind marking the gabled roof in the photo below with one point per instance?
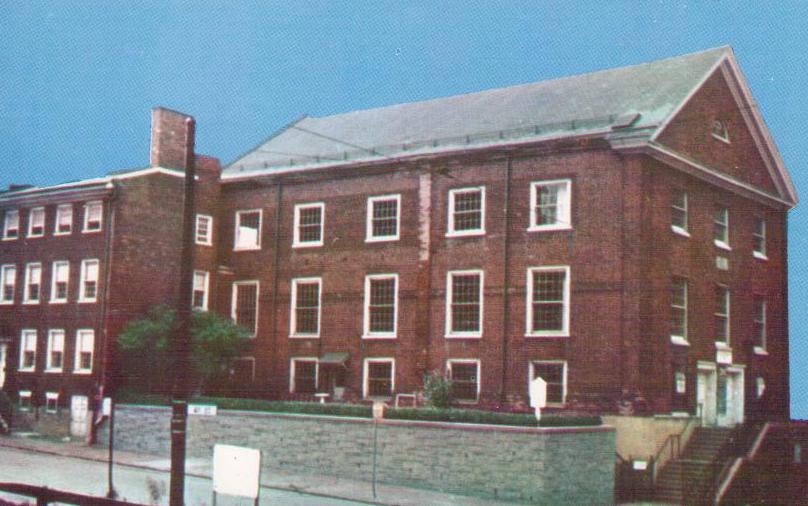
(641, 97)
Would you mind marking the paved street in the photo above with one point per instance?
(134, 484)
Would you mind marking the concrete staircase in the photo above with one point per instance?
(691, 470)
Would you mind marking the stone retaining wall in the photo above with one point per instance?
(546, 465)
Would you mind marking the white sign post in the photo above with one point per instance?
(538, 396)
(236, 472)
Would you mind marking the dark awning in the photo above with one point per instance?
(334, 358)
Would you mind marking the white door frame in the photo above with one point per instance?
(707, 393)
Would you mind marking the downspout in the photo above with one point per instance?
(506, 283)
(275, 256)
(786, 365)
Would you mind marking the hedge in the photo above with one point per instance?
(452, 415)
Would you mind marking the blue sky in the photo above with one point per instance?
(78, 79)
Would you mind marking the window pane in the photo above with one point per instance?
(679, 210)
(246, 299)
(380, 382)
(248, 229)
(465, 302)
(309, 224)
(548, 300)
(464, 381)
(553, 374)
(679, 307)
(467, 213)
(305, 377)
(384, 219)
(307, 308)
(381, 307)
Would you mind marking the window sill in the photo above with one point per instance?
(26, 370)
(54, 371)
(379, 336)
(549, 228)
(391, 238)
(722, 245)
(31, 303)
(317, 244)
(466, 335)
(761, 351)
(63, 233)
(720, 345)
(6, 302)
(759, 255)
(679, 341)
(10, 238)
(87, 301)
(203, 243)
(680, 231)
(247, 248)
(304, 336)
(57, 301)
(465, 233)
(560, 334)
(34, 236)
(91, 231)
(83, 372)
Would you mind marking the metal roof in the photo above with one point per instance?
(646, 94)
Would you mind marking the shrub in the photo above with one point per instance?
(437, 390)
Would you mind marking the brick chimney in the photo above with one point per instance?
(171, 134)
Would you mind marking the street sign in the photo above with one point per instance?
(236, 471)
(202, 409)
(538, 395)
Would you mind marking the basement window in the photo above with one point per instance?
(379, 376)
(51, 402)
(680, 382)
(303, 375)
(24, 401)
(720, 131)
(465, 376)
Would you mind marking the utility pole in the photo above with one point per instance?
(182, 337)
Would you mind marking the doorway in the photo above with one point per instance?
(720, 395)
(3, 350)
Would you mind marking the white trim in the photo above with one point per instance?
(24, 338)
(366, 332)
(3, 269)
(206, 240)
(60, 209)
(723, 344)
(449, 333)
(715, 174)
(24, 394)
(51, 396)
(365, 369)
(296, 242)
(369, 237)
(759, 254)
(40, 211)
(149, 171)
(685, 209)
(26, 299)
(293, 369)
(87, 206)
(662, 126)
(77, 369)
(563, 209)
(52, 333)
(531, 374)
(722, 243)
(237, 230)
(680, 231)
(477, 363)
(450, 230)
(567, 303)
(85, 264)
(234, 301)
(11, 212)
(293, 333)
(205, 290)
(675, 338)
(54, 271)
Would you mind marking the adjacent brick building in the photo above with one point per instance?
(621, 234)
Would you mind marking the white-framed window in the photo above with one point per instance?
(679, 213)
(51, 402)
(54, 361)
(60, 278)
(383, 218)
(11, 225)
(680, 382)
(679, 310)
(379, 377)
(199, 296)
(85, 345)
(204, 230)
(721, 228)
(36, 222)
(247, 235)
(550, 205)
(759, 239)
(720, 131)
(33, 283)
(308, 225)
(27, 350)
(465, 376)
(303, 375)
(548, 301)
(381, 305)
(244, 307)
(93, 216)
(88, 281)
(554, 373)
(24, 400)
(760, 325)
(721, 315)
(64, 220)
(8, 276)
(466, 214)
(464, 303)
(306, 305)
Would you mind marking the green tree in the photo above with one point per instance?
(144, 344)
(437, 389)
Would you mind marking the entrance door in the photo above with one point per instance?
(729, 398)
(3, 348)
(706, 396)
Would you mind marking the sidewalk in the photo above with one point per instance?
(315, 485)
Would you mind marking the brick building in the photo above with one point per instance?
(621, 234)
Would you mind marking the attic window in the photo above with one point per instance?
(720, 131)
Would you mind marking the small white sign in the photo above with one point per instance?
(640, 465)
(538, 393)
(202, 409)
(236, 471)
(106, 406)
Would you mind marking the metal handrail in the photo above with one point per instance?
(45, 495)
